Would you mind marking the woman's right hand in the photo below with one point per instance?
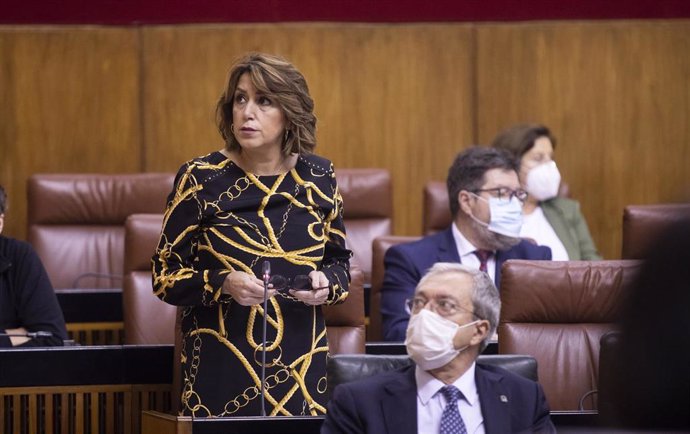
(245, 288)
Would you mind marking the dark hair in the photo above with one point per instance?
(469, 167)
(3, 200)
(279, 80)
(653, 360)
(519, 139)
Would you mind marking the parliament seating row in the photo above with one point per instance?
(568, 356)
(105, 390)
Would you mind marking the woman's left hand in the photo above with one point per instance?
(314, 297)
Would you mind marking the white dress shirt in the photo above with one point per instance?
(536, 227)
(431, 402)
(467, 256)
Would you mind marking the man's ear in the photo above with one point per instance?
(481, 329)
(465, 201)
(2, 222)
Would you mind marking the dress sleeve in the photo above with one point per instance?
(336, 259)
(176, 280)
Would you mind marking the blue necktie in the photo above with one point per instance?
(451, 421)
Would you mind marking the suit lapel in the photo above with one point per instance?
(447, 250)
(400, 405)
(501, 257)
(494, 401)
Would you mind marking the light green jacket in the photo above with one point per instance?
(569, 224)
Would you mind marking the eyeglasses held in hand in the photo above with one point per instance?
(298, 283)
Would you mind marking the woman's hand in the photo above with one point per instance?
(314, 297)
(245, 289)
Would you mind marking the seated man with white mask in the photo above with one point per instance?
(454, 312)
(486, 204)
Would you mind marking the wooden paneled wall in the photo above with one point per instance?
(403, 97)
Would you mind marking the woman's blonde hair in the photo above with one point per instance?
(281, 82)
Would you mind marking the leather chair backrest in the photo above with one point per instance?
(76, 222)
(345, 368)
(345, 325)
(642, 224)
(147, 319)
(608, 367)
(368, 211)
(379, 248)
(557, 312)
(436, 209)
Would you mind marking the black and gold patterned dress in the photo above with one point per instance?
(219, 219)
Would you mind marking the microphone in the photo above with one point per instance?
(28, 335)
(266, 270)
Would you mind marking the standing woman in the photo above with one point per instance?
(548, 219)
(264, 197)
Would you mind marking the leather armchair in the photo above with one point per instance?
(147, 319)
(557, 312)
(642, 224)
(436, 211)
(345, 368)
(379, 248)
(76, 222)
(368, 211)
(345, 324)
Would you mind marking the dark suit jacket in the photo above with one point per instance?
(387, 403)
(407, 263)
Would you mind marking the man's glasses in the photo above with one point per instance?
(504, 193)
(300, 282)
(443, 306)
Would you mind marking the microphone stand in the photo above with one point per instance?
(266, 278)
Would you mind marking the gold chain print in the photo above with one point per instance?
(221, 219)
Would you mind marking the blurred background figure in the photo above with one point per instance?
(652, 388)
(550, 220)
(30, 315)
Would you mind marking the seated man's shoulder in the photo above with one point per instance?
(369, 386)
(527, 249)
(421, 245)
(514, 381)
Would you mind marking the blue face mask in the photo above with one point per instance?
(506, 216)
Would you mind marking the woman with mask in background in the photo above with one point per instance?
(550, 220)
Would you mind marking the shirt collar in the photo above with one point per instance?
(461, 243)
(428, 385)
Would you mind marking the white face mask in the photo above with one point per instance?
(429, 339)
(506, 216)
(543, 181)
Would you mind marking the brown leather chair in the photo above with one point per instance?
(436, 211)
(345, 325)
(379, 247)
(557, 312)
(147, 319)
(643, 223)
(76, 222)
(368, 211)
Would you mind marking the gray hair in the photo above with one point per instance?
(485, 299)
